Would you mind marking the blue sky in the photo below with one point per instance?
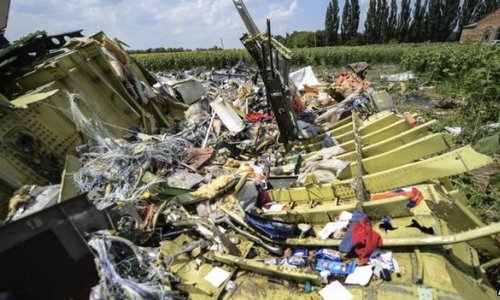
(166, 23)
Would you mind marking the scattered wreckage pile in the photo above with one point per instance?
(210, 200)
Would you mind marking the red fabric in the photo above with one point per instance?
(256, 117)
(365, 239)
(264, 200)
(298, 105)
(414, 195)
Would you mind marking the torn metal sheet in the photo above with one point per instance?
(382, 100)
(4, 13)
(41, 132)
(227, 115)
(190, 90)
(51, 240)
(196, 157)
(184, 180)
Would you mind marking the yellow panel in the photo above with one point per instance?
(344, 135)
(340, 127)
(254, 287)
(448, 164)
(390, 143)
(324, 213)
(386, 132)
(398, 140)
(407, 153)
(436, 273)
(377, 121)
(343, 138)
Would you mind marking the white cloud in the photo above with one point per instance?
(278, 12)
(162, 23)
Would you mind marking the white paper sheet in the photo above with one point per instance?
(361, 276)
(335, 290)
(217, 276)
(331, 228)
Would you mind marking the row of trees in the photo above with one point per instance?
(433, 20)
(426, 20)
(163, 50)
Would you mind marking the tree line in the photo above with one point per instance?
(163, 50)
(426, 20)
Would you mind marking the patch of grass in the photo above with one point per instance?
(469, 80)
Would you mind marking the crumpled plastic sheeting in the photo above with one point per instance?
(324, 170)
(405, 76)
(304, 76)
(324, 165)
(327, 153)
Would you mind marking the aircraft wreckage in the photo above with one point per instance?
(215, 184)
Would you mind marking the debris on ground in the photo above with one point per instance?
(406, 76)
(250, 182)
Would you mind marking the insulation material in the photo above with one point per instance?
(210, 190)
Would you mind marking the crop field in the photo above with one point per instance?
(434, 57)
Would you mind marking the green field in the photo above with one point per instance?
(410, 54)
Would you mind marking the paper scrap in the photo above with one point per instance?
(335, 290)
(345, 216)
(217, 276)
(331, 228)
(361, 276)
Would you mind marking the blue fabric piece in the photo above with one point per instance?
(327, 142)
(328, 254)
(272, 229)
(347, 242)
(307, 116)
(411, 203)
(358, 102)
(297, 261)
